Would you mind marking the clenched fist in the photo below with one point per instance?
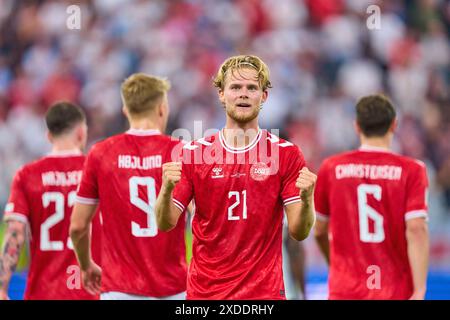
(171, 174)
(305, 182)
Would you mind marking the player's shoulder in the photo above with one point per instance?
(409, 162)
(284, 146)
(104, 144)
(171, 141)
(34, 165)
(203, 142)
(341, 156)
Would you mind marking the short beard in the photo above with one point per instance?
(241, 118)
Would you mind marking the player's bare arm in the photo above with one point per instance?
(80, 233)
(418, 252)
(12, 245)
(321, 235)
(301, 215)
(167, 213)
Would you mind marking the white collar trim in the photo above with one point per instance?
(366, 147)
(143, 132)
(66, 153)
(250, 146)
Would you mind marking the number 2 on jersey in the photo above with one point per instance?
(58, 198)
(366, 212)
(147, 206)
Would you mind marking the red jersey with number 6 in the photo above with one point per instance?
(42, 195)
(239, 196)
(368, 195)
(124, 174)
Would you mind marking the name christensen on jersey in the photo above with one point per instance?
(374, 172)
(136, 162)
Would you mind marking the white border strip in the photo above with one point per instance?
(178, 204)
(416, 214)
(321, 216)
(143, 132)
(83, 200)
(15, 216)
(291, 198)
(65, 153)
(291, 202)
(243, 149)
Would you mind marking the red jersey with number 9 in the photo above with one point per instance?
(367, 195)
(124, 174)
(239, 196)
(42, 196)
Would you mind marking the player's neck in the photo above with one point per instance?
(376, 142)
(65, 146)
(144, 124)
(239, 135)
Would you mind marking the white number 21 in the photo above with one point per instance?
(236, 203)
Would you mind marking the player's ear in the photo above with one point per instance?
(81, 132)
(125, 111)
(356, 127)
(161, 109)
(264, 96)
(49, 136)
(393, 126)
(221, 97)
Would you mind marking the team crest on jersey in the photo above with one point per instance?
(259, 171)
(217, 173)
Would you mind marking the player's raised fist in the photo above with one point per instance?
(171, 174)
(305, 182)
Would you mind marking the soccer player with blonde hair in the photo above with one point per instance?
(241, 179)
(122, 176)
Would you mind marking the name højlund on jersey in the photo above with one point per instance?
(61, 178)
(135, 162)
(367, 171)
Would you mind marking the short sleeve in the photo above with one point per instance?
(183, 192)
(417, 193)
(88, 188)
(292, 164)
(321, 202)
(17, 207)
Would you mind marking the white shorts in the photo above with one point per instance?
(114, 295)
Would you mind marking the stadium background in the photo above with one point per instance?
(321, 54)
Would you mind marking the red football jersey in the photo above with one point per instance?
(124, 174)
(368, 195)
(42, 195)
(239, 196)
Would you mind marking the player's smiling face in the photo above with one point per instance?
(242, 94)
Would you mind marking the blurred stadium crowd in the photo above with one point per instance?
(321, 54)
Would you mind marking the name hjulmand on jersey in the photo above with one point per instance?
(60, 178)
(136, 162)
(367, 171)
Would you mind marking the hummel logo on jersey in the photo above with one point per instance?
(217, 173)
